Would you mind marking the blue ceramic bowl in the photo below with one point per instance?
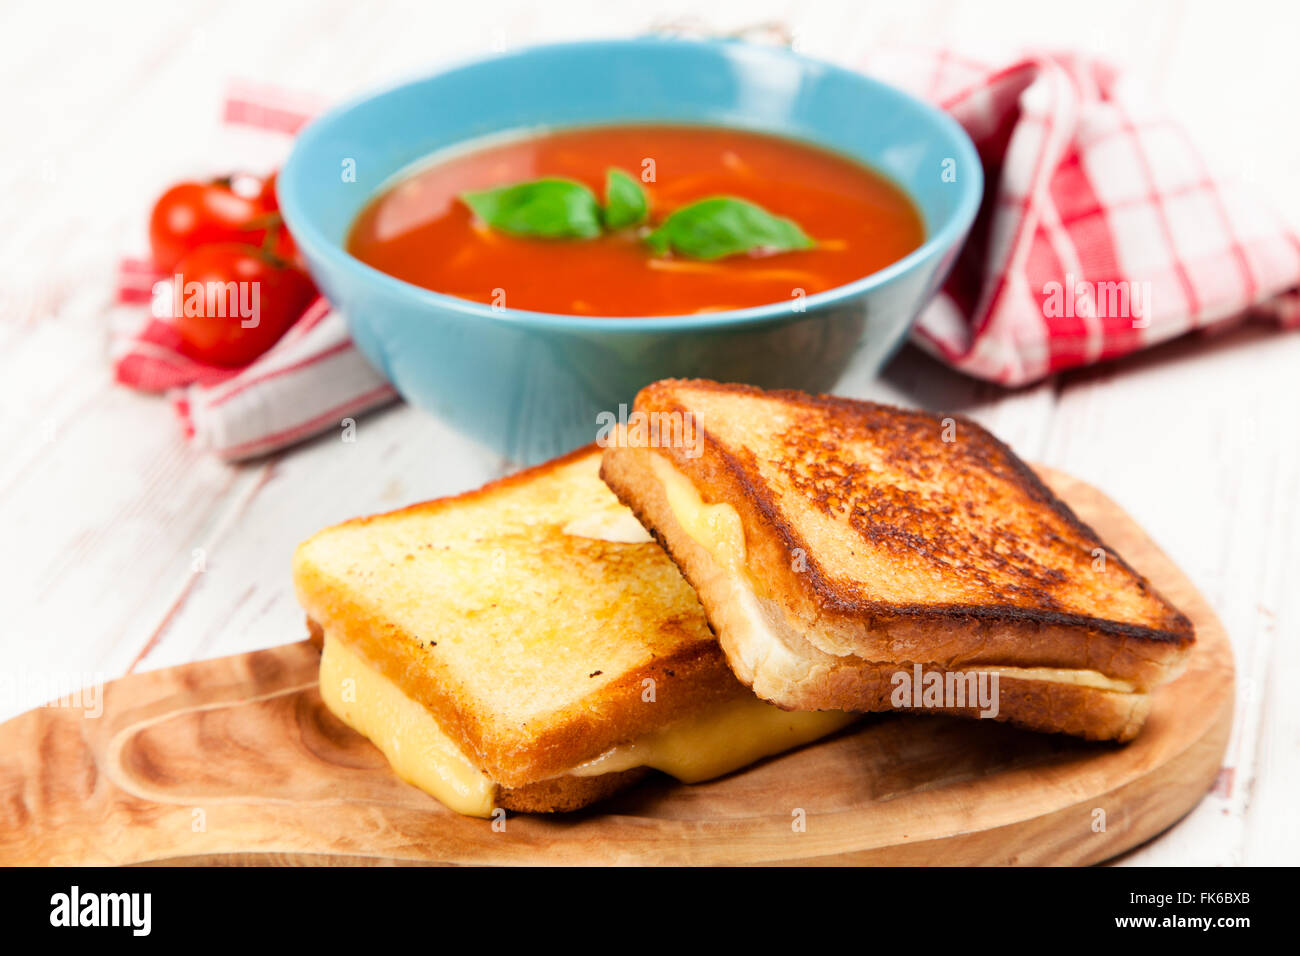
(530, 384)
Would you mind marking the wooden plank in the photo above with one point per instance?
(242, 598)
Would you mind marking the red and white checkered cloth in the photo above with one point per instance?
(1102, 232)
(1094, 202)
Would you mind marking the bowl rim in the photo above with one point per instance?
(336, 255)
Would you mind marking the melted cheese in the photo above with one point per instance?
(719, 740)
(717, 529)
(722, 739)
(416, 748)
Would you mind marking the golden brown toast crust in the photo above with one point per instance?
(685, 661)
(823, 620)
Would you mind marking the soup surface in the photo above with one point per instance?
(419, 231)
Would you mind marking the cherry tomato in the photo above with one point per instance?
(266, 198)
(278, 239)
(234, 301)
(279, 242)
(192, 214)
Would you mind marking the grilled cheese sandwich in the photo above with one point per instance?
(833, 543)
(621, 670)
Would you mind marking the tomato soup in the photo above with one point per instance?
(420, 231)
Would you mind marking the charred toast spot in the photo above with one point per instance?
(889, 481)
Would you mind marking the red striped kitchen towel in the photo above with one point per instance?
(1102, 232)
(311, 380)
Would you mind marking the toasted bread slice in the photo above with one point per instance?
(834, 543)
(526, 629)
(550, 795)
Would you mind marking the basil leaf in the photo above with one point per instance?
(726, 226)
(545, 208)
(625, 200)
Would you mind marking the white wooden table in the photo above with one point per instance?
(124, 549)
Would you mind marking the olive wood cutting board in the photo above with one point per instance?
(236, 760)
